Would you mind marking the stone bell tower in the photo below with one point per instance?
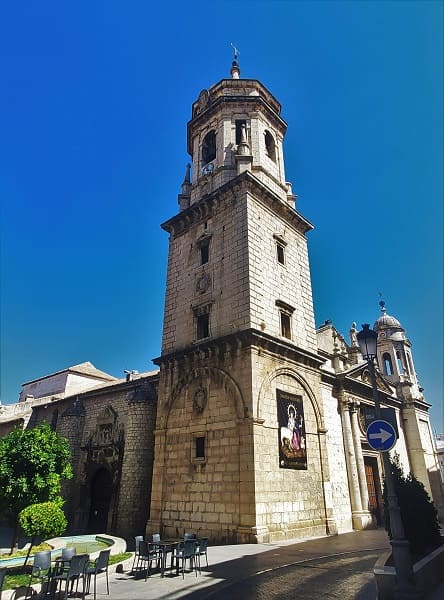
(395, 360)
(239, 360)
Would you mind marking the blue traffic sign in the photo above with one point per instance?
(381, 435)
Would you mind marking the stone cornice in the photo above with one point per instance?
(238, 341)
(229, 192)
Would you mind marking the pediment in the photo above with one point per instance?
(361, 373)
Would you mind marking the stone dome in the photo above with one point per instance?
(386, 320)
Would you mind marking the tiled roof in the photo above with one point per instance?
(85, 368)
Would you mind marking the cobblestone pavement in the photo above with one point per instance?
(342, 577)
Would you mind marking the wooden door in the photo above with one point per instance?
(372, 491)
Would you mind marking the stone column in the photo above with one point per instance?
(352, 471)
(356, 433)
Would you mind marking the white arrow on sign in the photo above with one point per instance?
(383, 435)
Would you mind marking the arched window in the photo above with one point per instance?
(401, 368)
(270, 146)
(209, 147)
(387, 360)
(410, 364)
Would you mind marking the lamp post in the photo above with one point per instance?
(405, 587)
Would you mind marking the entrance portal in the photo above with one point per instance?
(374, 491)
(101, 491)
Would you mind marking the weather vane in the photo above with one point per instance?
(236, 51)
(381, 301)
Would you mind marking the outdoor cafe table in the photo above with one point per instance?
(165, 547)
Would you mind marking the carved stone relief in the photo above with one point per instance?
(199, 400)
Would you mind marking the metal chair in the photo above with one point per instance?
(189, 536)
(137, 539)
(100, 565)
(41, 569)
(147, 553)
(3, 571)
(76, 571)
(156, 540)
(186, 551)
(201, 550)
(62, 563)
(68, 552)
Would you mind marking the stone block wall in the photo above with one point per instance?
(339, 492)
(271, 281)
(238, 492)
(289, 502)
(110, 430)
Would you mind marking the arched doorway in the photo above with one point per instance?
(101, 492)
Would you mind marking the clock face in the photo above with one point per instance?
(203, 283)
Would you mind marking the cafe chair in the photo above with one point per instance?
(100, 565)
(3, 571)
(68, 552)
(156, 540)
(201, 550)
(41, 569)
(76, 571)
(137, 539)
(189, 536)
(62, 562)
(186, 551)
(147, 553)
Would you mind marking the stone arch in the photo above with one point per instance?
(266, 387)
(218, 376)
(107, 415)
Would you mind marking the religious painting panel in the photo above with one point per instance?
(292, 439)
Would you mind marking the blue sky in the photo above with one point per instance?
(94, 105)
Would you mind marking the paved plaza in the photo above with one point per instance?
(334, 567)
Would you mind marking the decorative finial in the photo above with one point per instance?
(187, 174)
(235, 70)
(184, 197)
(382, 304)
(187, 181)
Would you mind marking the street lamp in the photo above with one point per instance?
(405, 587)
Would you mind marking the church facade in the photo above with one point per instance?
(253, 429)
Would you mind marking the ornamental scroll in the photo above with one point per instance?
(292, 440)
